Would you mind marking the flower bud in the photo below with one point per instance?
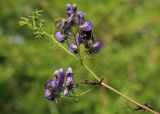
(73, 47)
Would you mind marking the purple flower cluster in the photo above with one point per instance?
(62, 83)
(76, 30)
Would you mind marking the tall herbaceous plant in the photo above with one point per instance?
(75, 35)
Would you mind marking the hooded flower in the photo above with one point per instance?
(87, 26)
(59, 36)
(79, 39)
(96, 47)
(53, 88)
(70, 83)
(73, 47)
(76, 28)
(71, 9)
(80, 17)
(59, 78)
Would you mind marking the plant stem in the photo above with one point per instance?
(119, 93)
(85, 92)
(129, 99)
(95, 76)
(55, 41)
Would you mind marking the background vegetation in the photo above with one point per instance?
(129, 60)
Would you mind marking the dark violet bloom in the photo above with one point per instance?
(70, 83)
(59, 78)
(87, 26)
(69, 72)
(51, 92)
(62, 27)
(59, 36)
(71, 9)
(69, 13)
(75, 30)
(48, 94)
(96, 47)
(79, 39)
(61, 24)
(69, 78)
(74, 8)
(80, 17)
(54, 87)
(73, 47)
(70, 20)
(50, 84)
(68, 7)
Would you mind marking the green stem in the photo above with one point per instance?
(85, 92)
(55, 41)
(129, 99)
(89, 70)
(95, 76)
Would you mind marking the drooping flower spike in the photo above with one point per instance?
(62, 84)
(83, 35)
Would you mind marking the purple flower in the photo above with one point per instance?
(50, 84)
(51, 92)
(79, 39)
(69, 72)
(70, 83)
(59, 36)
(69, 78)
(74, 7)
(87, 26)
(59, 78)
(71, 9)
(73, 47)
(76, 27)
(48, 94)
(68, 7)
(53, 88)
(80, 17)
(70, 20)
(96, 47)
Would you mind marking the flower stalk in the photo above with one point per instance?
(98, 79)
(86, 34)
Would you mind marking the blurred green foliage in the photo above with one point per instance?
(129, 60)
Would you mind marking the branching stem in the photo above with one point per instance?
(98, 79)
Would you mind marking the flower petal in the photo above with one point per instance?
(87, 26)
(59, 36)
